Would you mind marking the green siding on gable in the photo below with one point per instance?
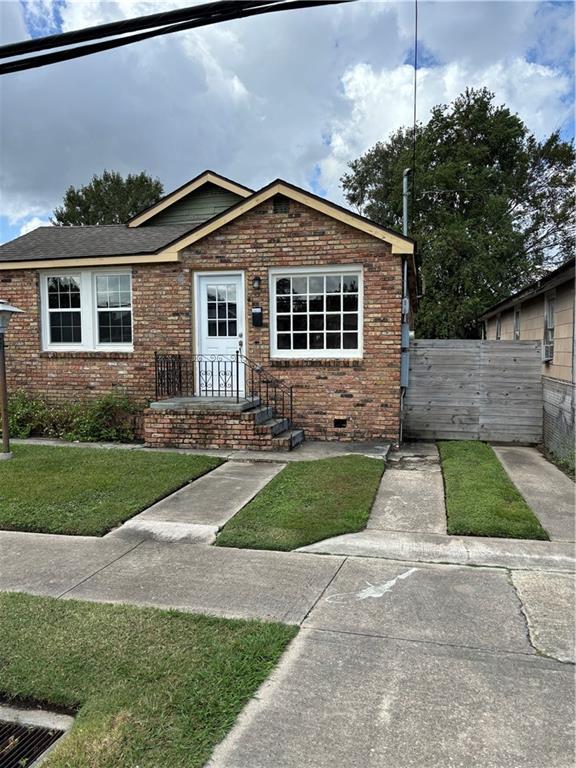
(198, 206)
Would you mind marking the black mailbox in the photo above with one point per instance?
(257, 317)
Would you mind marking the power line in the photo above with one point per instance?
(195, 16)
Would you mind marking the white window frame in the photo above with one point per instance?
(517, 321)
(547, 342)
(88, 311)
(316, 354)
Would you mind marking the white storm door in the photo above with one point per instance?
(220, 334)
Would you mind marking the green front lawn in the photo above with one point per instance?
(87, 491)
(153, 689)
(481, 500)
(306, 502)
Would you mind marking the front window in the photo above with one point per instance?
(549, 321)
(517, 324)
(317, 313)
(87, 310)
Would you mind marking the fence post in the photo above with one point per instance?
(237, 378)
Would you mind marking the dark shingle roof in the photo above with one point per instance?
(81, 242)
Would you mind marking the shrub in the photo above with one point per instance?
(110, 418)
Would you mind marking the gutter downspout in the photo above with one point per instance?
(405, 329)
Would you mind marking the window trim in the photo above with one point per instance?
(548, 357)
(88, 311)
(516, 328)
(316, 354)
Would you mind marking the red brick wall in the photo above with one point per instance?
(366, 392)
(199, 428)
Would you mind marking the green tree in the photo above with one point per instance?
(108, 199)
(492, 208)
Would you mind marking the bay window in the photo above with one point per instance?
(316, 312)
(87, 310)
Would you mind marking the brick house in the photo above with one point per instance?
(246, 316)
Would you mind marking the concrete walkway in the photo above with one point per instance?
(548, 491)
(309, 450)
(411, 494)
(400, 664)
(200, 509)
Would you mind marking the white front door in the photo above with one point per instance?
(220, 333)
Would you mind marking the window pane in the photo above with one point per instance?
(211, 327)
(316, 284)
(63, 293)
(232, 311)
(65, 328)
(333, 322)
(211, 309)
(113, 291)
(333, 341)
(300, 340)
(232, 328)
(283, 304)
(350, 283)
(221, 293)
(316, 341)
(333, 303)
(350, 340)
(211, 293)
(231, 293)
(316, 303)
(316, 322)
(283, 323)
(299, 304)
(282, 286)
(299, 285)
(350, 303)
(222, 328)
(300, 323)
(222, 309)
(283, 341)
(350, 322)
(333, 284)
(114, 327)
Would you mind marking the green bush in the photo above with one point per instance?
(110, 418)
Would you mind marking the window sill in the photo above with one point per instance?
(338, 362)
(87, 354)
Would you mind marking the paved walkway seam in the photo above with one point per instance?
(107, 565)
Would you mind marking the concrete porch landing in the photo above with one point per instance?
(215, 403)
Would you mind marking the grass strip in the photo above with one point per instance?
(306, 502)
(152, 688)
(481, 500)
(87, 491)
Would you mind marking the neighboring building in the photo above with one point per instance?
(544, 311)
(309, 292)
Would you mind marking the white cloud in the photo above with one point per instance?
(33, 223)
(380, 101)
(256, 99)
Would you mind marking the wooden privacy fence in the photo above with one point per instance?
(474, 390)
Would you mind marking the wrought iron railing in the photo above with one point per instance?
(221, 376)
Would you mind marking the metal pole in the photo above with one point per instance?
(405, 177)
(4, 402)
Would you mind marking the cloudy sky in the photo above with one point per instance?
(295, 95)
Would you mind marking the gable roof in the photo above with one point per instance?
(83, 242)
(129, 243)
(400, 243)
(206, 177)
(562, 274)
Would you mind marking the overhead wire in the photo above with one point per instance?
(218, 12)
